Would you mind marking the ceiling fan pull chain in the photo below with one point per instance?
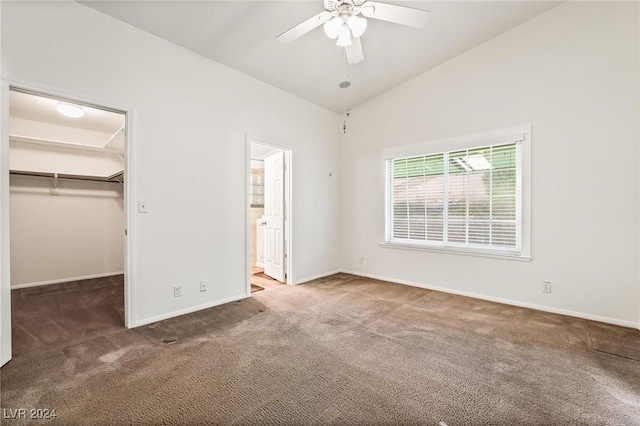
(344, 86)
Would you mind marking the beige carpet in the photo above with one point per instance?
(341, 350)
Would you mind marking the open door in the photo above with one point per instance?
(274, 216)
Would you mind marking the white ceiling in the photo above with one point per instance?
(260, 151)
(43, 109)
(242, 35)
(35, 119)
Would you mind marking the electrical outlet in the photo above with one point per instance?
(203, 286)
(360, 260)
(546, 286)
(177, 291)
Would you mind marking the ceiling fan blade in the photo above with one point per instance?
(354, 51)
(399, 14)
(303, 28)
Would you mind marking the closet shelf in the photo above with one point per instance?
(114, 178)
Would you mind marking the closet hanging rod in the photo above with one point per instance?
(108, 179)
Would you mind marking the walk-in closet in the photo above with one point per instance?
(67, 221)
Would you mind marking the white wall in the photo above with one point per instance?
(190, 120)
(572, 73)
(255, 214)
(76, 234)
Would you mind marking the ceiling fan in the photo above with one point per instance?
(342, 22)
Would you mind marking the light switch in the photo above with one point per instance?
(142, 206)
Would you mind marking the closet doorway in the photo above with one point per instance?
(269, 218)
(67, 221)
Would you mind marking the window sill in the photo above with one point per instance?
(461, 251)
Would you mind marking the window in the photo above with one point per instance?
(463, 199)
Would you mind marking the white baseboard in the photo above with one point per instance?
(543, 308)
(315, 277)
(192, 309)
(64, 280)
(157, 318)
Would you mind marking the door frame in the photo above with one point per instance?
(129, 197)
(288, 200)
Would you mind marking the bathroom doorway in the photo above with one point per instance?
(269, 216)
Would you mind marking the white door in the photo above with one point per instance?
(274, 216)
(5, 277)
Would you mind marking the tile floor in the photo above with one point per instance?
(259, 278)
(58, 315)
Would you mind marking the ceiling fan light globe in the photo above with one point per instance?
(332, 27)
(344, 39)
(357, 24)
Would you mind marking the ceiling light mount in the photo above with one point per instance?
(345, 9)
(70, 110)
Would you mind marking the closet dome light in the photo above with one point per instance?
(69, 110)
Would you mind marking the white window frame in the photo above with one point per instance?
(523, 181)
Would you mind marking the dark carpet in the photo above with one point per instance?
(57, 315)
(341, 350)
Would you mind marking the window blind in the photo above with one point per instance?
(468, 198)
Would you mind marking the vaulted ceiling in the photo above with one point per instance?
(242, 35)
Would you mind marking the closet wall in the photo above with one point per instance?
(74, 235)
(28, 156)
